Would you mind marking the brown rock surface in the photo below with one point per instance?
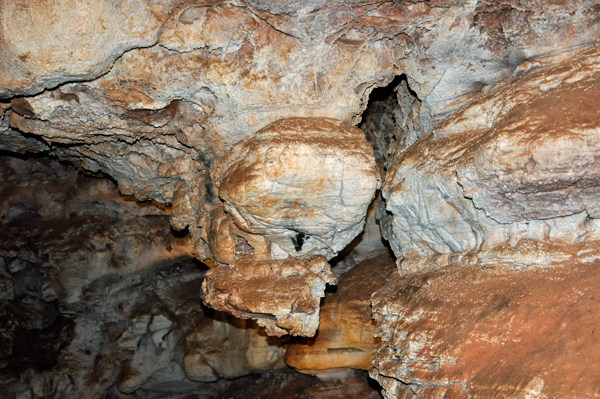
(97, 296)
(355, 387)
(283, 296)
(491, 144)
(46, 43)
(490, 332)
(346, 335)
(303, 183)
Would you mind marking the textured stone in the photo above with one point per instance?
(229, 348)
(228, 243)
(283, 296)
(44, 44)
(346, 335)
(355, 387)
(98, 296)
(516, 165)
(303, 183)
(488, 331)
(158, 92)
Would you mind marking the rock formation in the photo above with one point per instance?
(215, 147)
(346, 335)
(97, 297)
(488, 331)
(283, 296)
(303, 183)
(176, 85)
(514, 168)
(227, 347)
(500, 197)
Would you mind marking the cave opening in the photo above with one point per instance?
(391, 124)
(391, 120)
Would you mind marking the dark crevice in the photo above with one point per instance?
(391, 121)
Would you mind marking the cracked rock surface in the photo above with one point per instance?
(516, 167)
(283, 296)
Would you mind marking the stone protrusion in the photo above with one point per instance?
(303, 183)
(283, 296)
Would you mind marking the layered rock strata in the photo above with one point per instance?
(507, 178)
(283, 296)
(346, 335)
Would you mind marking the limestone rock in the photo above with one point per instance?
(517, 164)
(346, 335)
(97, 295)
(283, 296)
(485, 331)
(224, 347)
(45, 44)
(303, 183)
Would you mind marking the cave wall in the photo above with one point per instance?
(254, 136)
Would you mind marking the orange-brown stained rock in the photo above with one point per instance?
(488, 332)
(346, 335)
(283, 296)
(356, 387)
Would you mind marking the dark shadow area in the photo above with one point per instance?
(384, 93)
(391, 120)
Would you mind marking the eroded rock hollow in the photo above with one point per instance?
(283, 199)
